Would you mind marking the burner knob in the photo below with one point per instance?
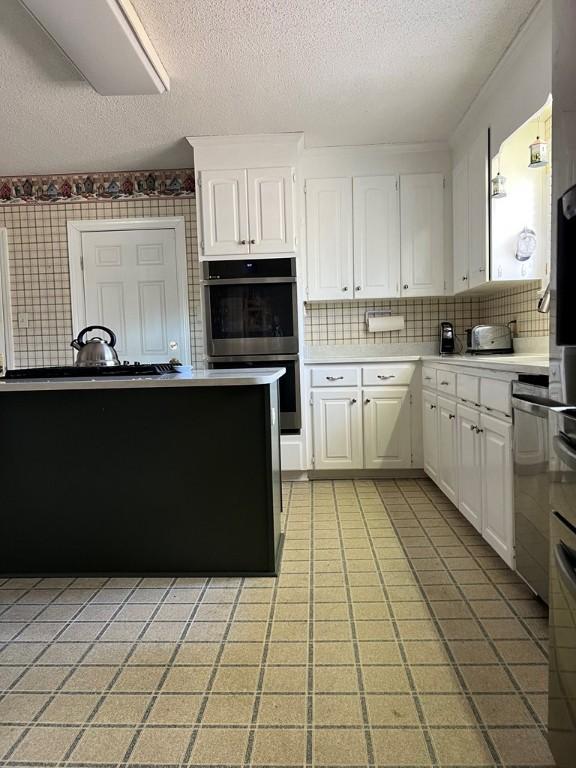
(137, 362)
(125, 362)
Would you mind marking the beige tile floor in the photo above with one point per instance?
(393, 637)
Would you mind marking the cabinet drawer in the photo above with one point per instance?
(387, 374)
(446, 382)
(495, 395)
(429, 377)
(335, 377)
(468, 387)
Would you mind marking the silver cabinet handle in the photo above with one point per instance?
(427, 378)
(353, 400)
(345, 288)
(383, 378)
(334, 378)
(367, 401)
(444, 383)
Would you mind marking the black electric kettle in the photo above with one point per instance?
(96, 351)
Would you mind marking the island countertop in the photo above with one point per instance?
(186, 377)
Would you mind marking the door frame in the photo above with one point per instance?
(6, 329)
(76, 229)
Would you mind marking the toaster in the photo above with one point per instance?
(489, 340)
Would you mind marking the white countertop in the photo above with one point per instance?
(535, 364)
(186, 377)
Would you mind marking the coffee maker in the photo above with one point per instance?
(447, 339)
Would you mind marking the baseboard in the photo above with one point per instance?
(366, 474)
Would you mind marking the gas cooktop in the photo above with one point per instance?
(68, 371)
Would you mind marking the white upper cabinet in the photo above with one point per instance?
(478, 210)
(247, 211)
(329, 239)
(270, 210)
(224, 213)
(376, 237)
(422, 234)
(461, 235)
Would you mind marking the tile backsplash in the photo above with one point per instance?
(39, 272)
(344, 322)
(40, 286)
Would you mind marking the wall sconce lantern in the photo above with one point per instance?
(498, 185)
(538, 153)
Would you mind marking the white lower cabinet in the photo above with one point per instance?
(497, 486)
(430, 433)
(468, 454)
(337, 428)
(386, 422)
(469, 465)
(447, 449)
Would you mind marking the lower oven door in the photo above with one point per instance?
(289, 384)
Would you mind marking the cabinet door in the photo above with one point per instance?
(329, 239)
(422, 234)
(271, 210)
(337, 428)
(430, 433)
(478, 210)
(376, 237)
(386, 422)
(469, 465)
(447, 449)
(497, 482)
(224, 213)
(460, 224)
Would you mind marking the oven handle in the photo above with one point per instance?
(250, 281)
(564, 452)
(565, 565)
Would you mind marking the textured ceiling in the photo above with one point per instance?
(342, 71)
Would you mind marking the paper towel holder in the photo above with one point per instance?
(376, 313)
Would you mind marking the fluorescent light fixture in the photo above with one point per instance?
(107, 43)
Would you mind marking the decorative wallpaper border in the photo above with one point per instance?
(119, 185)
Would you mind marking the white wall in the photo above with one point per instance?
(518, 87)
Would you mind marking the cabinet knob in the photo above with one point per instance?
(451, 416)
(478, 430)
(367, 400)
(473, 427)
(464, 277)
(481, 269)
(353, 400)
(358, 287)
(252, 242)
(242, 242)
(405, 286)
(432, 407)
(444, 383)
(345, 288)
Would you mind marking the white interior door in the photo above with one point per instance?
(376, 237)
(387, 441)
(271, 210)
(131, 286)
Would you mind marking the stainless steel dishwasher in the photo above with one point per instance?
(531, 481)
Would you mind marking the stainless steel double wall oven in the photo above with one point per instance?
(251, 321)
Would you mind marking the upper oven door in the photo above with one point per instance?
(251, 316)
